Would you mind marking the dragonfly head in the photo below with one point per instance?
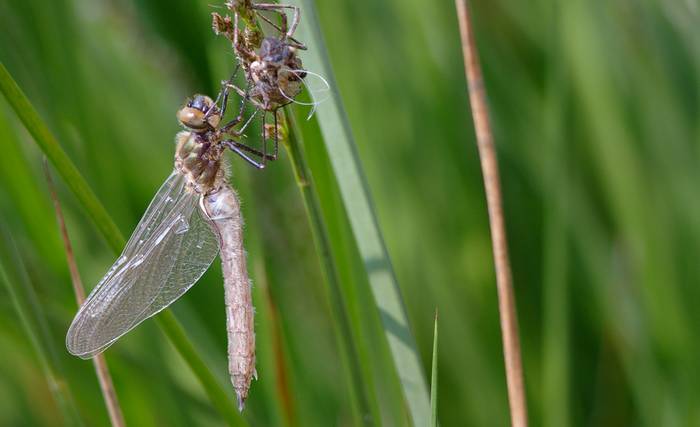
(199, 114)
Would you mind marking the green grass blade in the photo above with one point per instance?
(221, 401)
(361, 384)
(50, 146)
(434, 378)
(97, 213)
(555, 300)
(25, 301)
(355, 195)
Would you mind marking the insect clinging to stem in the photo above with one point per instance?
(196, 213)
(193, 216)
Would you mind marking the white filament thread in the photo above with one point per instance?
(312, 92)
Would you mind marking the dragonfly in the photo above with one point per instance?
(194, 216)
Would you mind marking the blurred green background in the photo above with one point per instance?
(595, 111)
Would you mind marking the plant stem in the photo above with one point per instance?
(323, 246)
(65, 167)
(434, 377)
(357, 202)
(221, 401)
(106, 226)
(489, 167)
(103, 376)
(248, 16)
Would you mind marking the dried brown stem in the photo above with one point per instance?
(105, 380)
(489, 167)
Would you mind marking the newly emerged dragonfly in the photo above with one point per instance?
(194, 216)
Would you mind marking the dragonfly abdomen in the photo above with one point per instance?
(223, 208)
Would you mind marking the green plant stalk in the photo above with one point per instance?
(106, 226)
(355, 195)
(174, 330)
(302, 174)
(434, 378)
(50, 146)
(249, 18)
(375, 356)
(554, 176)
(13, 275)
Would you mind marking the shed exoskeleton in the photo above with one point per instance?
(273, 70)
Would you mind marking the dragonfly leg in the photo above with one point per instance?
(239, 118)
(223, 93)
(246, 95)
(291, 40)
(264, 137)
(280, 8)
(252, 150)
(240, 149)
(239, 132)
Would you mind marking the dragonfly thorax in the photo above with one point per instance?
(199, 157)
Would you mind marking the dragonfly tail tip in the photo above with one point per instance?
(241, 401)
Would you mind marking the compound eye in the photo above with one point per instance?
(192, 118)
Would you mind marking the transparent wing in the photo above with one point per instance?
(172, 246)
